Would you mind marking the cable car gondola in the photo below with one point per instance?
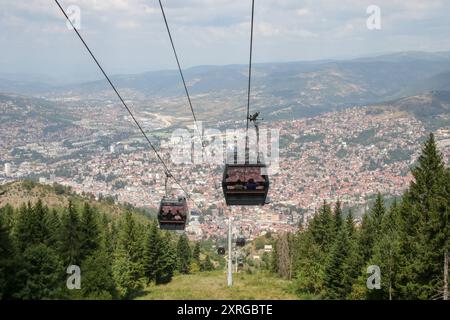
(246, 184)
(173, 213)
(221, 251)
(240, 242)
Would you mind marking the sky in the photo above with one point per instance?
(129, 36)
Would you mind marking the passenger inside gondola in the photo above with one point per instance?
(173, 214)
(245, 179)
(239, 185)
(177, 216)
(170, 214)
(251, 185)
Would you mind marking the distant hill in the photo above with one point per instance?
(23, 86)
(387, 72)
(300, 86)
(438, 82)
(281, 89)
(36, 119)
(23, 192)
(409, 56)
(22, 83)
(423, 106)
(22, 106)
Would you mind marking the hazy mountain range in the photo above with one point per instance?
(322, 85)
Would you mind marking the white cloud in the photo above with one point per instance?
(127, 24)
(217, 31)
(302, 12)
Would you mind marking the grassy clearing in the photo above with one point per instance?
(213, 285)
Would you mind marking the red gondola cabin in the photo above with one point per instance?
(173, 213)
(245, 184)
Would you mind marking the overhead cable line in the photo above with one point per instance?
(166, 168)
(250, 73)
(181, 72)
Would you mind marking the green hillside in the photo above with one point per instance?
(56, 196)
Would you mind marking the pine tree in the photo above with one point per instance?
(371, 230)
(312, 250)
(196, 253)
(5, 241)
(6, 256)
(320, 238)
(21, 232)
(425, 243)
(196, 263)
(334, 270)
(207, 265)
(183, 255)
(7, 214)
(308, 266)
(350, 222)
(70, 237)
(89, 231)
(108, 235)
(385, 255)
(31, 227)
(428, 176)
(407, 278)
(322, 229)
(351, 268)
(446, 232)
(152, 252)
(167, 263)
(273, 265)
(128, 266)
(54, 227)
(377, 214)
(338, 220)
(41, 274)
(284, 254)
(342, 265)
(97, 277)
(369, 234)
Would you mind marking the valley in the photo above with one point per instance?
(336, 142)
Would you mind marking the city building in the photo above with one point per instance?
(8, 169)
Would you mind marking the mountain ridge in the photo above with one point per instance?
(226, 74)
